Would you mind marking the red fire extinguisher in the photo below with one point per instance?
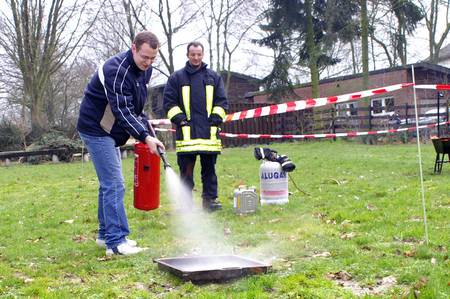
(146, 178)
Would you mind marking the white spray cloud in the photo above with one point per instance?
(197, 231)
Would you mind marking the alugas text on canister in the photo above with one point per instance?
(273, 183)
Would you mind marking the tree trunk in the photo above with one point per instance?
(211, 56)
(401, 42)
(126, 7)
(227, 82)
(431, 20)
(34, 90)
(38, 119)
(431, 24)
(373, 54)
(38, 43)
(218, 67)
(352, 47)
(312, 50)
(365, 43)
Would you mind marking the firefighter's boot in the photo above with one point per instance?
(211, 204)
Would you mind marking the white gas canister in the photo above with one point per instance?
(273, 184)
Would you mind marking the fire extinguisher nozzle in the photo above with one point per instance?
(165, 162)
(163, 156)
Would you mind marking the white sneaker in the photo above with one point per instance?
(124, 249)
(101, 242)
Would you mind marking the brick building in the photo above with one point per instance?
(425, 73)
(371, 113)
(381, 107)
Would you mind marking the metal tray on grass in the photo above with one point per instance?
(213, 268)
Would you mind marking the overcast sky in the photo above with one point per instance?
(256, 61)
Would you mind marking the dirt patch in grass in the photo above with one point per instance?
(345, 280)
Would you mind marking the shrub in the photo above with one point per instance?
(10, 136)
(58, 140)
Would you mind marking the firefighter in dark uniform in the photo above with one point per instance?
(195, 101)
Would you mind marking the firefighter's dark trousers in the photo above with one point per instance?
(186, 162)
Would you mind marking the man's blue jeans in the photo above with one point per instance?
(113, 223)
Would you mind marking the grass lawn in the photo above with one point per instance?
(358, 229)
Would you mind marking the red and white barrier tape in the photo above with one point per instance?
(307, 136)
(348, 134)
(164, 130)
(310, 103)
(433, 86)
(302, 104)
(158, 122)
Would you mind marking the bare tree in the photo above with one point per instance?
(431, 12)
(12, 91)
(382, 37)
(65, 92)
(218, 16)
(365, 43)
(39, 39)
(390, 23)
(227, 24)
(208, 21)
(173, 19)
(236, 26)
(117, 24)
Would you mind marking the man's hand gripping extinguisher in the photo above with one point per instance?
(147, 175)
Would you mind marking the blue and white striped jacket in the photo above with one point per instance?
(114, 101)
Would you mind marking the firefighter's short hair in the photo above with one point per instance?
(194, 44)
(146, 37)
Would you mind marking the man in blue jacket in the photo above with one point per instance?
(195, 101)
(111, 111)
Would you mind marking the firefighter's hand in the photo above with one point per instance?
(215, 120)
(153, 143)
(184, 123)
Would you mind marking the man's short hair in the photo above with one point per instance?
(146, 37)
(194, 44)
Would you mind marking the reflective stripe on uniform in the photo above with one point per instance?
(186, 95)
(213, 144)
(200, 141)
(199, 148)
(213, 131)
(209, 89)
(186, 132)
(219, 111)
(174, 111)
(193, 145)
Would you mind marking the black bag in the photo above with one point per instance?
(265, 153)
